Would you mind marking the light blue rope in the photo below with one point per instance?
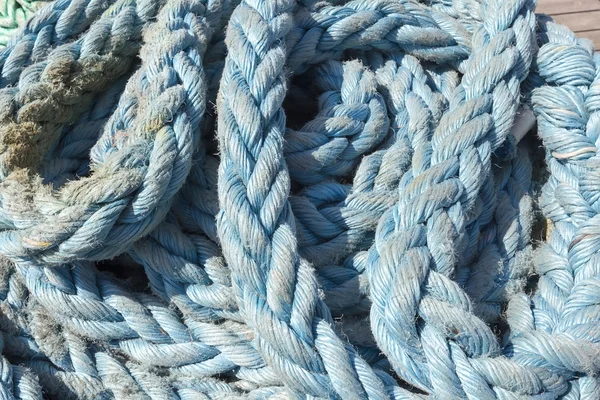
(336, 223)
(384, 25)
(419, 241)
(352, 121)
(557, 328)
(54, 24)
(94, 369)
(505, 242)
(69, 159)
(17, 382)
(261, 236)
(405, 190)
(164, 135)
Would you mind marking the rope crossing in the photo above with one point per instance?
(254, 199)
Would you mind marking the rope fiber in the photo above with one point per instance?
(296, 199)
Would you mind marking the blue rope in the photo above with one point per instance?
(256, 229)
(353, 216)
(560, 316)
(57, 23)
(165, 141)
(352, 121)
(16, 382)
(379, 244)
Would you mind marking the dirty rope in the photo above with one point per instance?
(259, 199)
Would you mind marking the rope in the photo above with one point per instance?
(279, 199)
(13, 15)
(559, 316)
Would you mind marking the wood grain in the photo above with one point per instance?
(579, 22)
(581, 16)
(554, 7)
(594, 36)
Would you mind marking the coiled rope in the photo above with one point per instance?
(279, 199)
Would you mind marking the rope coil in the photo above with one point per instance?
(167, 232)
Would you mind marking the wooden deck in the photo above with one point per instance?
(582, 16)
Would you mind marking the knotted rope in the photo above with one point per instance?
(167, 233)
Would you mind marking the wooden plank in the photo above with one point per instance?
(581, 21)
(594, 36)
(553, 7)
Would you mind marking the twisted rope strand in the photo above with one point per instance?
(419, 240)
(324, 33)
(504, 242)
(33, 113)
(557, 328)
(351, 122)
(406, 190)
(276, 290)
(54, 24)
(17, 382)
(167, 95)
(93, 374)
(352, 217)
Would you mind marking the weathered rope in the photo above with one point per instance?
(557, 328)
(376, 244)
(13, 15)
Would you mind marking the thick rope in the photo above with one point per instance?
(276, 289)
(557, 328)
(56, 23)
(397, 177)
(169, 109)
(13, 15)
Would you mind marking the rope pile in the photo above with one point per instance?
(282, 199)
